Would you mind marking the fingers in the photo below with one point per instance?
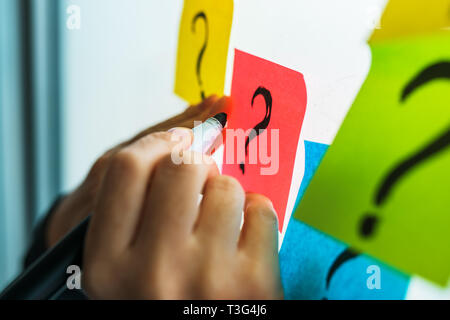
(208, 108)
(220, 215)
(223, 104)
(188, 116)
(200, 112)
(201, 107)
(259, 244)
(259, 236)
(171, 207)
(123, 189)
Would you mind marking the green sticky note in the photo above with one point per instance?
(384, 185)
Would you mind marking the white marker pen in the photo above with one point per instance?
(206, 134)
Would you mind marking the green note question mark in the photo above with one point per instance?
(383, 187)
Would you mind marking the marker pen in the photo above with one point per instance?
(207, 134)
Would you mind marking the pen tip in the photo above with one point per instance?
(222, 118)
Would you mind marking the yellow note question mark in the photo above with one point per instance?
(203, 49)
(201, 15)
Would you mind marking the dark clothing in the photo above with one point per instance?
(39, 246)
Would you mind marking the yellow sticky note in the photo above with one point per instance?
(203, 48)
(412, 17)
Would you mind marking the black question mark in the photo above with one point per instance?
(201, 15)
(440, 70)
(262, 126)
(342, 258)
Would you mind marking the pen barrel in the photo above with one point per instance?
(207, 136)
(48, 274)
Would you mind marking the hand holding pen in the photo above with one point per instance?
(150, 238)
(78, 204)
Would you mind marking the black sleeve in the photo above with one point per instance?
(38, 244)
(38, 247)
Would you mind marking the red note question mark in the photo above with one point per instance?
(255, 81)
(262, 126)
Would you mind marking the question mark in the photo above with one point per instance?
(440, 70)
(201, 15)
(262, 126)
(342, 258)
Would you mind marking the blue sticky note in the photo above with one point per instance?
(307, 258)
(314, 153)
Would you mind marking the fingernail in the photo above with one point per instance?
(208, 102)
(224, 104)
(181, 134)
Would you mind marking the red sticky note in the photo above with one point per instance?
(271, 99)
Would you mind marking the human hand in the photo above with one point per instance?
(77, 205)
(149, 238)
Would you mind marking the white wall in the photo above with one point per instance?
(118, 76)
